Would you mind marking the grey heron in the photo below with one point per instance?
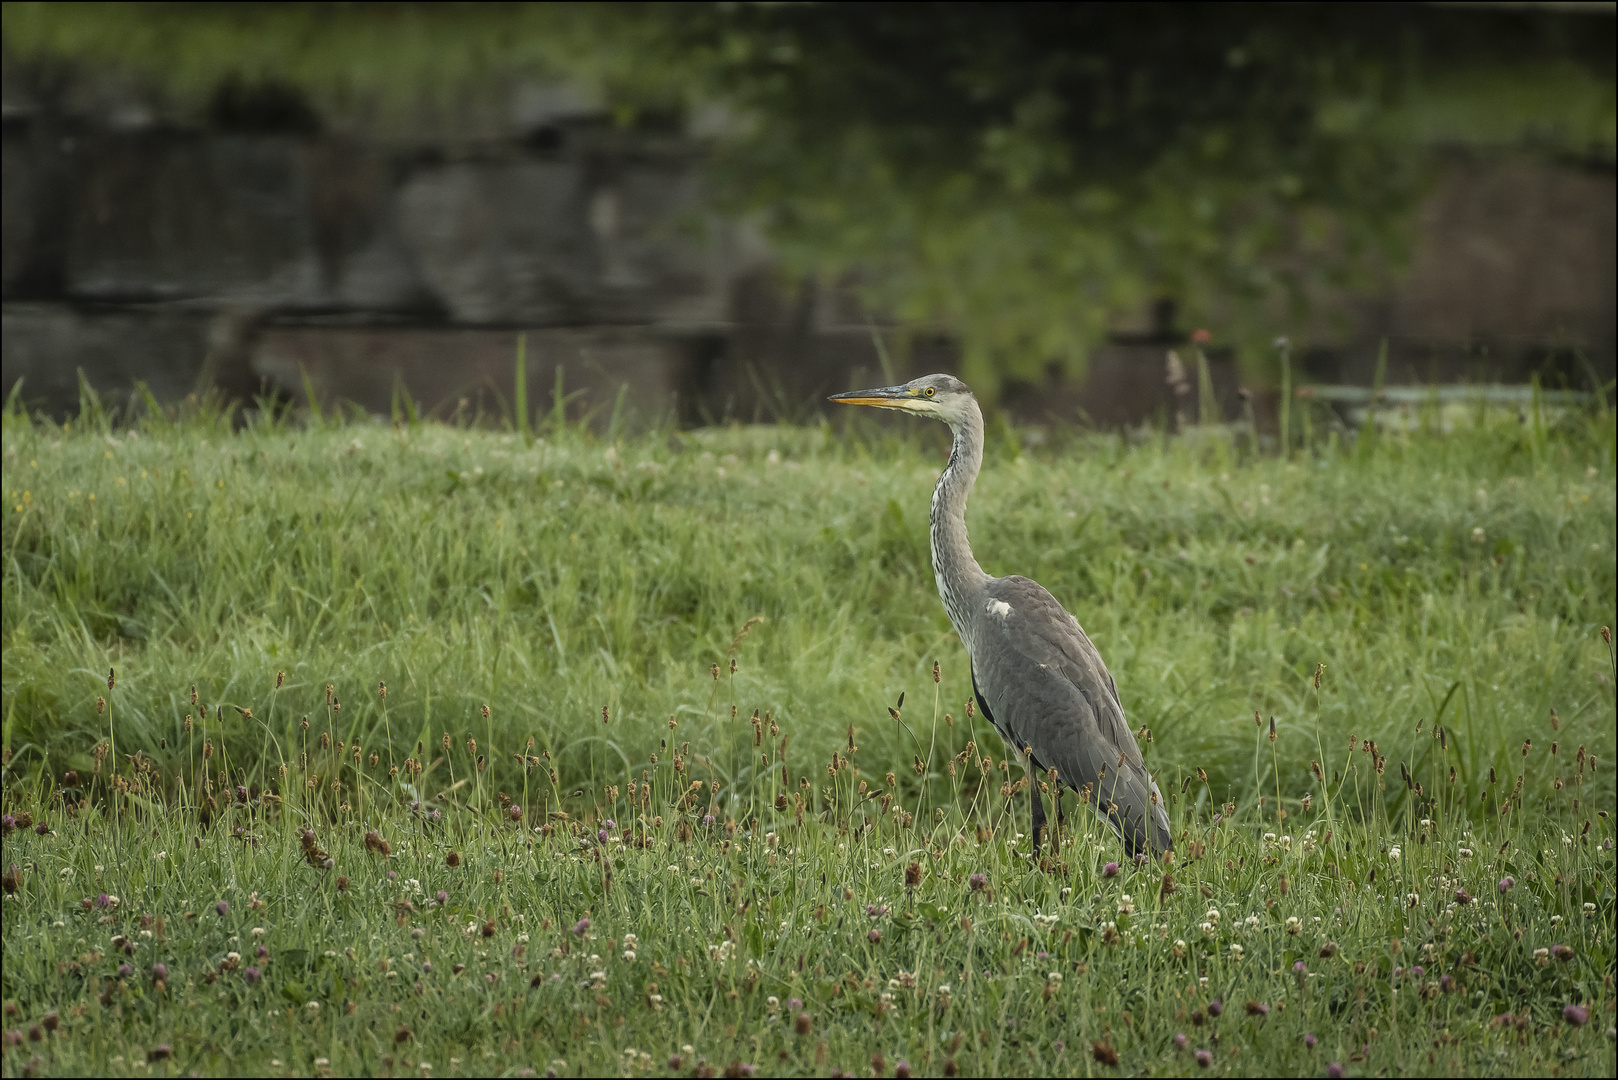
(1035, 674)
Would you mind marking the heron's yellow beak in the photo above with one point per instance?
(887, 397)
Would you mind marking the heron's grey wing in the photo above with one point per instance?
(1047, 689)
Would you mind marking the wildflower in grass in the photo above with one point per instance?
(1126, 905)
(222, 908)
(1309, 1041)
(580, 927)
(1542, 957)
(1235, 951)
(1507, 883)
(160, 1052)
(901, 1069)
(1215, 1008)
(1104, 1053)
(1463, 897)
(453, 859)
(1294, 925)
(1180, 1040)
(794, 1005)
(1179, 949)
(252, 975)
(1205, 1058)
(1563, 953)
(125, 971)
(1577, 1015)
(1394, 853)
(1110, 870)
(977, 882)
(1257, 1008)
(442, 897)
(1335, 1070)
(874, 937)
(804, 1024)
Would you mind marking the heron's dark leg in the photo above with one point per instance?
(1038, 805)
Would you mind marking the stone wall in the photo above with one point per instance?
(268, 262)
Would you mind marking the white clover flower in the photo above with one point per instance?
(1394, 853)
(522, 939)
(1286, 843)
(1294, 925)
(1179, 949)
(629, 956)
(1235, 951)
(631, 940)
(1207, 928)
(598, 980)
(1126, 904)
(1589, 909)
(313, 1007)
(1213, 915)
(1466, 853)
(259, 931)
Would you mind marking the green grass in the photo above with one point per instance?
(1454, 581)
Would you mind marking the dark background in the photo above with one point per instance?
(722, 209)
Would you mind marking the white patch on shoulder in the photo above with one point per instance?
(1000, 608)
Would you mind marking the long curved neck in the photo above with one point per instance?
(961, 580)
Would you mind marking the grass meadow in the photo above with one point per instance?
(337, 746)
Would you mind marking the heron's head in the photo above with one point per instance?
(942, 396)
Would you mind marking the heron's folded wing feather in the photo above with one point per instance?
(1047, 685)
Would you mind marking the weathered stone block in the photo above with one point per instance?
(563, 242)
(173, 352)
(176, 217)
(473, 370)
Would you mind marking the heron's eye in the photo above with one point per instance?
(929, 391)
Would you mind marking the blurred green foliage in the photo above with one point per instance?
(1024, 176)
